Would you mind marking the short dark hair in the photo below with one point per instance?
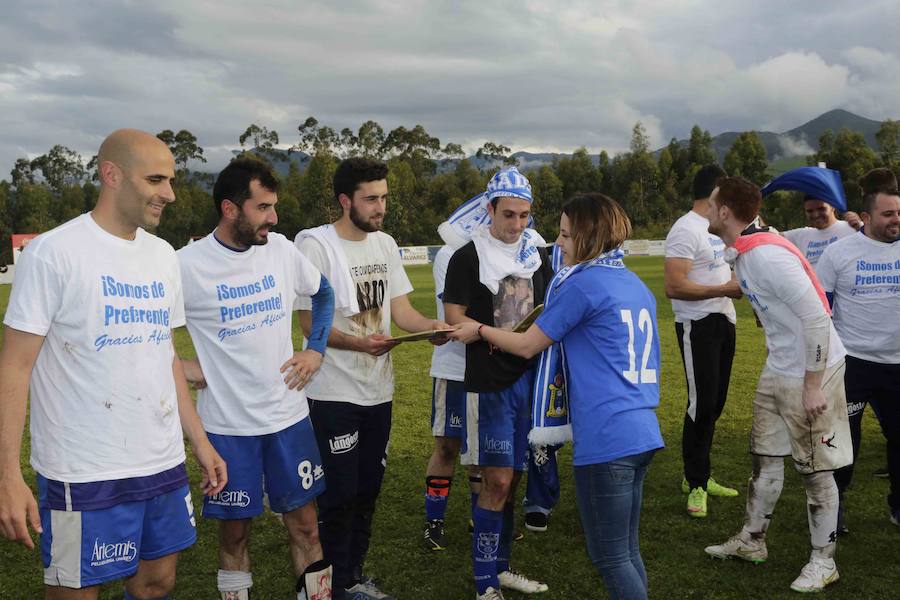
(598, 224)
(741, 196)
(233, 183)
(705, 181)
(877, 181)
(354, 171)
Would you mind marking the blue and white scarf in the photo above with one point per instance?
(551, 422)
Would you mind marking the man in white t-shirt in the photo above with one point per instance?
(240, 285)
(448, 414)
(800, 409)
(701, 286)
(351, 394)
(90, 321)
(824, 228)
(861, 275)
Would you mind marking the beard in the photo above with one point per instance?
(361, 223)
(246, 234)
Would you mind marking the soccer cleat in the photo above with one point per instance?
(434, 535)
(518, 582)
(366, 590)
(740, 547)
(895, 518)
(696, 503)
(489, 594)
(713, 488)
(517, 535)
(882, 472)
(536, 521)
(815, 575)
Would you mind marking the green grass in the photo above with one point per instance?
(672, 543)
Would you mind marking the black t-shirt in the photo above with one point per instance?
(490, 369)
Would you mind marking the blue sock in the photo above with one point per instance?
(485, 542)
(506, 530)
(437, 492)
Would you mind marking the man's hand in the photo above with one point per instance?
(814, 402)
(853, 220)
(300, 368)
(439, 339)
(18, 510)
(376, 344)
(466, 332)
(732, 289)
(193, 373)
(212, 467)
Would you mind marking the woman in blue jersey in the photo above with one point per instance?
(605, 320)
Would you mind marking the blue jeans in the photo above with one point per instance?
(609, 500)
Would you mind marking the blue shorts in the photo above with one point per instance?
(286, 463)
(448, 408)
(90, 547)
(500, 431)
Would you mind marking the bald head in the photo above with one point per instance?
(125, 148)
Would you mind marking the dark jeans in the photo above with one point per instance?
(609, 500)
(707, 349)
(879, 385)
(353, 443)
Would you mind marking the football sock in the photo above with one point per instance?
(234, 581)
(765, 488)
(485, 541)
(821, 509)
(506, 532)
(437, 492)
(315, 583)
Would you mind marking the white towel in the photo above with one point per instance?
(338, 274)
(498, 260)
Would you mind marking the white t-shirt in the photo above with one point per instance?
(378, 275)
(448, 361)
(103, 401)
(238, 307)
(774, 282)
(864, 275)
(689, 238)
(812, 242)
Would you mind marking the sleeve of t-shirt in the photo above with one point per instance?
(399, 282)
(567, 309)
(461, 276)
(36, 295)
(825, 269)
(793, 236)
(176, 318)
(314, 254)
(306, 283)
(681, 243)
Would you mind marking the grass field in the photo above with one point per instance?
(672, 543)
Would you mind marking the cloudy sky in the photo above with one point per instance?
(531, 74)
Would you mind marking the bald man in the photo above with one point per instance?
(90, 322)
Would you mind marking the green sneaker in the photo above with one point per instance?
(696, 504)
(713, 488)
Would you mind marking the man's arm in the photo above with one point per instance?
(213, 468)
(408, 318)
(375, 344)
(679, 287)
(18, 509)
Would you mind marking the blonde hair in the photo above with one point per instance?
(597, 224)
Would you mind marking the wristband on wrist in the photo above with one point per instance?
(478, 331)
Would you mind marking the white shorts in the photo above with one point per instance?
(780, 426)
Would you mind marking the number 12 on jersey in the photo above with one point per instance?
(645, 325)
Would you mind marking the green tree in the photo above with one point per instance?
(547, 190)
(577, 173)
(699, 150)
(848, 153)
(183, 146)
(403, 219)
(641, 177)
(495, 154)
(60, 167)
(290, 220)
(316, 198)
(747, 158)
(370, 140)
(32, 209)
(5, 224)
(888, 138)
(263, 143)
(319, 139)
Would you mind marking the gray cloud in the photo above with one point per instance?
(532, 75)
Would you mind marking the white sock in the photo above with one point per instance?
(822, 502)
(765, 488)
(238, 582)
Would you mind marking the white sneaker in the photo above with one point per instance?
(817, 573)
(740, 547)
(489, 594)
(516, 581)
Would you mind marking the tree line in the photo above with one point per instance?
(428, 179)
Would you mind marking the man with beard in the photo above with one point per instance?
(799, 409)
(351, 395)
(89, 330)
(240, 284)
(861, 275)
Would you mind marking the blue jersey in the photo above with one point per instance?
(605, 318)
